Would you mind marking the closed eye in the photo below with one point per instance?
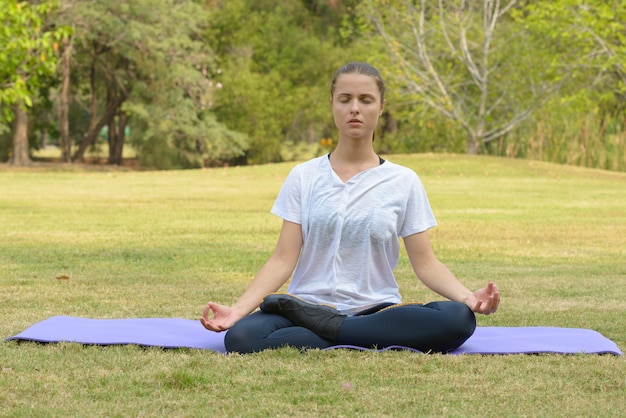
(366, 98)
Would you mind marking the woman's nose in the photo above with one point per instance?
(354, 108)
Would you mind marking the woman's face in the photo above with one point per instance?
(356, 105)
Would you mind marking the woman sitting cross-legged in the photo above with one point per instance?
(343, 216)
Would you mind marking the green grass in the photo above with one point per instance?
(160, 244)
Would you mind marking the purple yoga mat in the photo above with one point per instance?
(186, 333)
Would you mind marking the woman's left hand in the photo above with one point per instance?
(484, 301)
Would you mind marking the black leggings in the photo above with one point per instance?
(434, 327)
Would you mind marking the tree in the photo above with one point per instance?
(101, 66)
(139, 62)
(595, 30)
(64, 100)
(586, 125)
(463, 60)
(27, 62)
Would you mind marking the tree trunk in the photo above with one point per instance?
(116, 147)
(94, 131)
(112, 140)
(473, 145)
(64, 124)
(20, 154)
(114, 101)
(43, 142)
(79, 155)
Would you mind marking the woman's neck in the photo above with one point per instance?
(354, 153)
(347, 161)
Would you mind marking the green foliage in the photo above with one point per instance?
(276, 70)
(28, 55)
(421, 131)
(456, 61)
(245, 81)
(151, 54)
(594, 33)
(584, 125)
(182, 137)
(570, 132)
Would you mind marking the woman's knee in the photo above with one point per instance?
(465, 320)
(240, 338)
(250, 334)
(461, 321)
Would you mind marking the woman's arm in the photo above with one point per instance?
(437, 277)
(274, 273)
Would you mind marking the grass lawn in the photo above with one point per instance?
(160, 244)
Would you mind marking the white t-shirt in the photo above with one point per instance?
(351, 230)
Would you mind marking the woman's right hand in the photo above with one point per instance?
(219, 318)
(274, 273)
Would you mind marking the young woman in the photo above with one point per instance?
(343, 215)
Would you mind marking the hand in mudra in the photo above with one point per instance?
(219, 318)
(484, 301)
